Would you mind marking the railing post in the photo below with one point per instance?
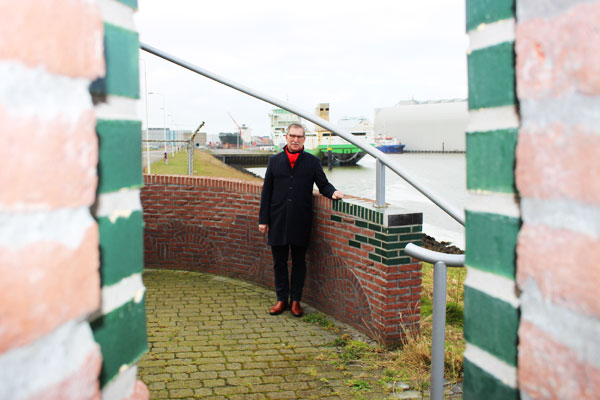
(438, 335)
(190, 156)
(380, 185)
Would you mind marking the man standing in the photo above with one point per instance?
(286, 214)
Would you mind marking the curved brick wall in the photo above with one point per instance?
(356, 271)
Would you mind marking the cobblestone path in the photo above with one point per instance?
(211, 337)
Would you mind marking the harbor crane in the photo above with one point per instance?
(240, 129)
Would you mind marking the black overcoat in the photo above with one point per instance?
(287, 196)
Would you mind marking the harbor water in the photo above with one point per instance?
(445, 173)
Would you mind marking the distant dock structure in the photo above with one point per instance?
(432, 126)
(242, 158)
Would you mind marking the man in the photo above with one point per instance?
(286, 214)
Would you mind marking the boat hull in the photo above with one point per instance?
(391, 148)
(341, 155)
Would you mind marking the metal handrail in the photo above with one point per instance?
(454, 212)
(441, 262)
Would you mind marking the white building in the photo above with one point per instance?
(437, 125)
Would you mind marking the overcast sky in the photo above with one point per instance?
(356, 56)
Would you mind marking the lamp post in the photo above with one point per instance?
(164, 126)
(147, 126)
(172, 135)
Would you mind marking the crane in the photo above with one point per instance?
(240, 129)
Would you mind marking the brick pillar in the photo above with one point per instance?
(491, 316)
(372, 243)
(50, 51)
(120, 326)
(558, 176)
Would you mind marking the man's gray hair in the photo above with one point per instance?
(295, 125)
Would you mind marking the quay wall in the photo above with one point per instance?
(357, 270)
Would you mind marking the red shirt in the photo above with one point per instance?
(292, 156)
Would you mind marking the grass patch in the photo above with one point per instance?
(204, 165)
(359, 385)
(410, 364)
(318, 319)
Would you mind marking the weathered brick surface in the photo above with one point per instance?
(559, 162)
(550, 370)
(81, 385)
(210, 224)
(549, 256)
(239, 350)
(52, 163)
(44, 285)
(63, 36)
(559, 55)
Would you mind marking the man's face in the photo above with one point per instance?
(295, 139)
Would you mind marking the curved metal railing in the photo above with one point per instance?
(440, 260)
(454, 212)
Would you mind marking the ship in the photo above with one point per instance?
(231, 140)
(321, 142)
(388, 144)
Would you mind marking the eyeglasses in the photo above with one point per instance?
(296, 136)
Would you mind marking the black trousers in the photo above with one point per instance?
(283, 287)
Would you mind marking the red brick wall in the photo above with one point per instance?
(558, 177)
(211, 225)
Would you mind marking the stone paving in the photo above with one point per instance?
(211, 337)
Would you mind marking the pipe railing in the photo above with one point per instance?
(440, 260)
(454, 212)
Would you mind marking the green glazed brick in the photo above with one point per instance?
(361, 238)
(394, 246)
(375, 242)
(354, 244)
(121, 52)
(418, 228)
(411, 236)
(488, 11)
(491, 324)
(121, 335)
(335, 205)
(386, 238)
(361, 224)
(491, 160)
(374, 257)
(374, 227)
(336, 218)
(398, 230)
(479, 384)
(387, 254)
(491, 240)
(397, 261)
(131, 3)
(121, 247)
(492, 76)
(120, 158)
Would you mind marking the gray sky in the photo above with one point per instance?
(357, 56)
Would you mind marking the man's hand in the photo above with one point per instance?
(263, 228)
(337, 195)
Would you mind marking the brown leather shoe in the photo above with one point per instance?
(296, 309)
(278, 308)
